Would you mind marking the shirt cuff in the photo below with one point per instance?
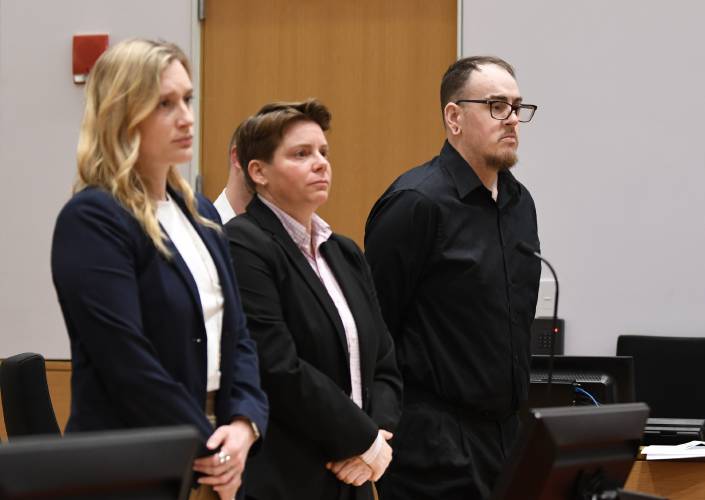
(371, 454)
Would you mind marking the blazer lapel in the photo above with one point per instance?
(208, 238)
(354, 294)
(269, 222)
(178, 262)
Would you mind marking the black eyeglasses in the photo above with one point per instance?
(501, 110)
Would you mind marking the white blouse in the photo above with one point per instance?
(200, 263)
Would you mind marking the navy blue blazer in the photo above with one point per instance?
(134, 318)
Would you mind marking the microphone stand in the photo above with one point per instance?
(526, 249)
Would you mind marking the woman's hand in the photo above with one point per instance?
(356, 471)
(351, 470)
(223, 470)
(383, 458)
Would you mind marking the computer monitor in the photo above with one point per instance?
(145, 464)
(579, 379)
(573, 452)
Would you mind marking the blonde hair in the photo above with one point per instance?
(123, 89)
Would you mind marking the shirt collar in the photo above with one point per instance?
(225, 210)
(466, 180)
(320, 230)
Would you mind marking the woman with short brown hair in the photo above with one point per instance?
(326, 359)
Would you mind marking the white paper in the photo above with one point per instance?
(692, 449)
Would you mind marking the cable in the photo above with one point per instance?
(586, 393)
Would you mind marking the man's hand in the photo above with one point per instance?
(223, 470)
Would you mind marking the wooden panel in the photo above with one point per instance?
(59, 381)
(673, 480)
(376, 64)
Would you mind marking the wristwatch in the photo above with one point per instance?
(253, 426)
(255, 429)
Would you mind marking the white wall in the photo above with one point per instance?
(614, 157)
(40, 112)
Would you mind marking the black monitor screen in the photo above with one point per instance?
(573, 452)
(146, 464)
(582, 380)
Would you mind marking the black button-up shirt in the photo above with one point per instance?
(457, 295)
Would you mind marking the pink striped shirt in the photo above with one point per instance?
(309, 244)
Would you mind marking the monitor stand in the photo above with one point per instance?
(596, 487)
(561, 393)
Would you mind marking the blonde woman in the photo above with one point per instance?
(143, 275)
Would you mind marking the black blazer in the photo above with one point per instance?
(304, 359)
(135, 322)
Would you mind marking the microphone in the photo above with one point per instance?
(527, 249)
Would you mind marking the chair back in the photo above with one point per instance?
(667, 373)
(26, 402)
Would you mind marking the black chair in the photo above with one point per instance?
(26, 402)
(667, 373)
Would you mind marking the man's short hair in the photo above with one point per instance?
(259, 135)
(459, 72)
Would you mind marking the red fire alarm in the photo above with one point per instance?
(86, 51)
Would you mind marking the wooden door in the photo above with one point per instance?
(377, 65)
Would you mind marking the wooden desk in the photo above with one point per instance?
(666, 478)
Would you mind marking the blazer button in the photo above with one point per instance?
(197, 340)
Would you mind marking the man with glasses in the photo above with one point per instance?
(457, 295)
